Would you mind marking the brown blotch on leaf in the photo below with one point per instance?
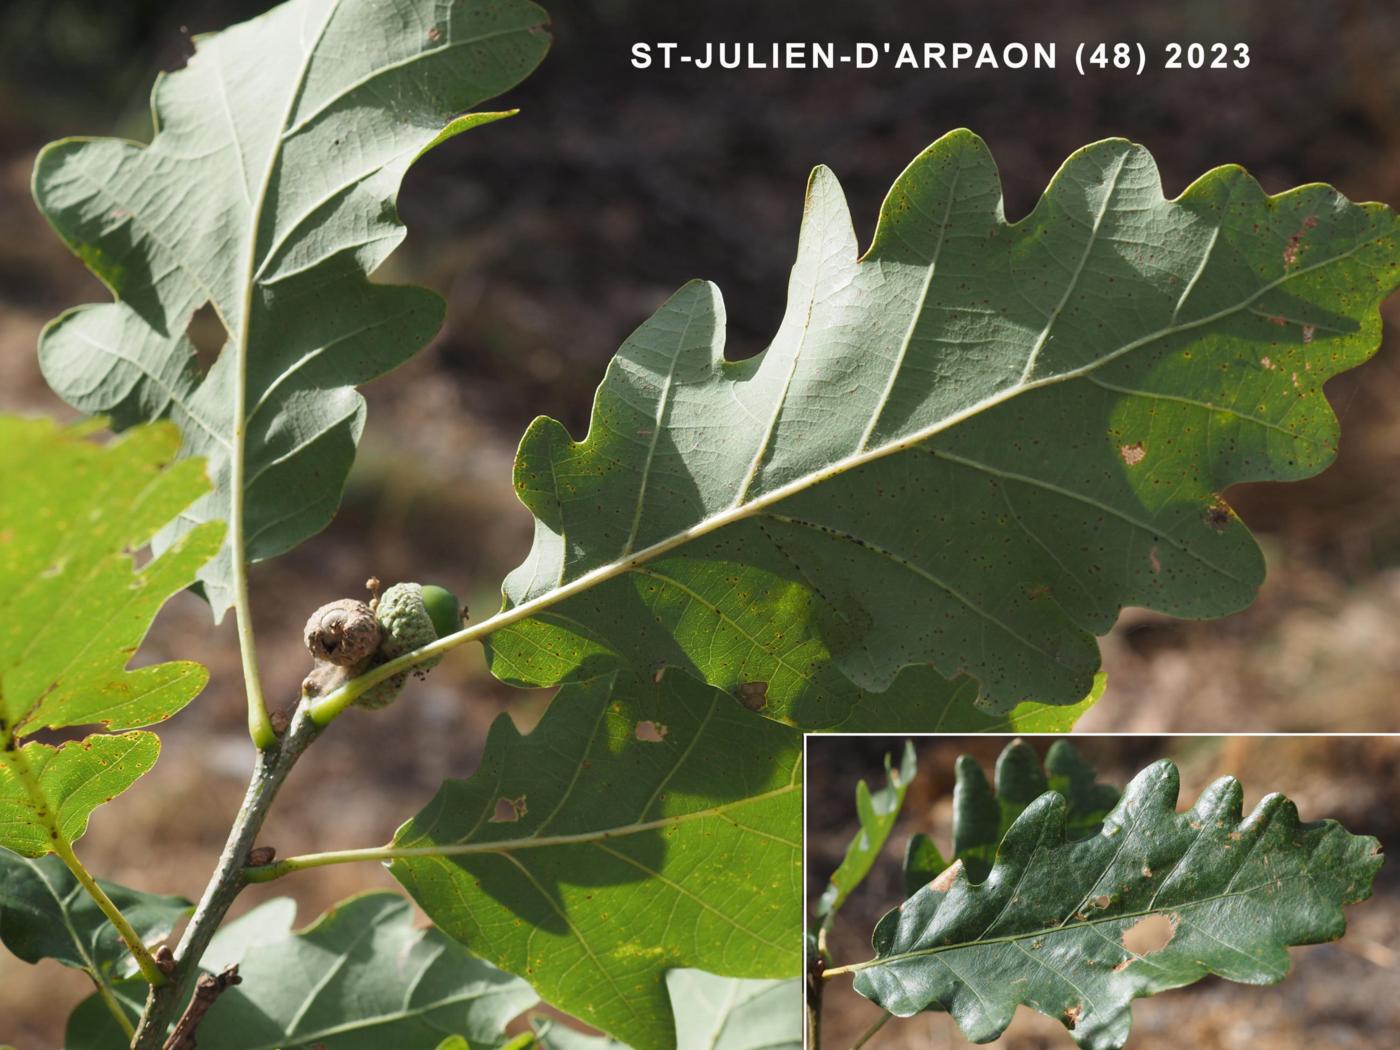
(1072, 1015)
(1102, 901)
(651, 732)
(945, 878)
(1155, 561)
(1218, 515)
(1294, 248)
(754, 695)
(1133, 454)
(509, 810)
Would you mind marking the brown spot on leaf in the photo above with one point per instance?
(651, 732)
(1294, 248)
(754, 695)
(1154, 561)
(1101, 902)
(1309, 330)
(1218, 515)
(945, 879)
(1133, 454)
(1073, 1014)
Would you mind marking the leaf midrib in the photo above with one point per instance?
(582, 837)
(740, 512)
(1009, 938)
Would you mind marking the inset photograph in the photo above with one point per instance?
(1114, 891)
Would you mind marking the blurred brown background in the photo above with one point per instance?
(1338, 996)
(554, 234)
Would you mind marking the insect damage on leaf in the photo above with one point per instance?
(1058, 923)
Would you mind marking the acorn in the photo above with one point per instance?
(343, 637)
(410, 615)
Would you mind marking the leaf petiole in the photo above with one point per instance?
(144, 961)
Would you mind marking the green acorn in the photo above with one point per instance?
(410, 615)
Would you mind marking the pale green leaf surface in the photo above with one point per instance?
(1046, 927)
(48, 791)
(46, 914)
(729, 1013)
(551, 1035)
(644, 825)
(73, 609)
(712, 1013)
(876, 812)
(967, 448)
(362, 977)
(268, 192)
(982, 814)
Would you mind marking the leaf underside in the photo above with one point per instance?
(1045, 929)
(268, 193)
(361, 977)
(74, 610)
(642, 826)
(962, 453)
(712, 1013)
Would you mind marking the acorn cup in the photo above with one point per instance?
(410, 615)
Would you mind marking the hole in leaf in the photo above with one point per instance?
(1147, 935)
(509, 810)
(208, 335)
(651, 732)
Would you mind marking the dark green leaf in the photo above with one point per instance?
(45, 914)
(967, 449)
(981, 816)
(644, 825)
(922, 863)
(268, 193)
(362, 977)
(1046, 928)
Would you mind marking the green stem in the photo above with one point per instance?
(104, 992)
(837, 971)
(871, 1031)
(129, 936)
(259, 722)
(273, 764)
